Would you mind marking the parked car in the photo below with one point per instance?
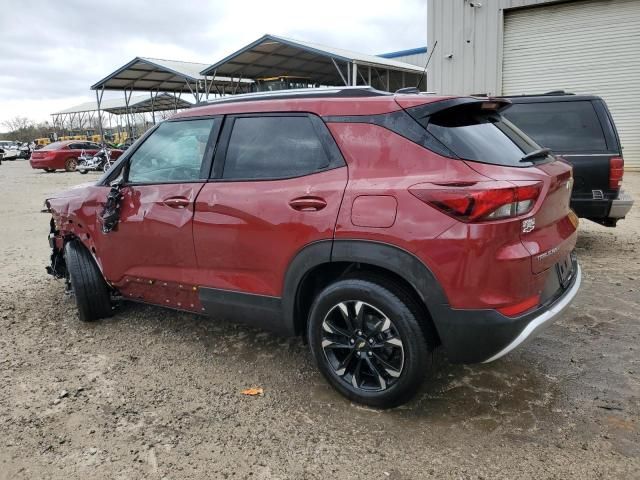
(10, 149)
(581, 130)
(64, 155)
(376, 226)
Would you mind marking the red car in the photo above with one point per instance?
(64, 155)
(376, 226)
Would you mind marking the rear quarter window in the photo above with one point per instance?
(560, 126)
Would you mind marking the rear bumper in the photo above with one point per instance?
(603, 208)
(477, 336)
(621, 205)
(591, 207)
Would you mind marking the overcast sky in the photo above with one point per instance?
(52, 52)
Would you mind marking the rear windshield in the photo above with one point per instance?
(53, 146)
(486, 137)
(560, 126)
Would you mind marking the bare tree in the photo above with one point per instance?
(18, 123)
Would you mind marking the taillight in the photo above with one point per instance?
(481, 201)
(616, 171)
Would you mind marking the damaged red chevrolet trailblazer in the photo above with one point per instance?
(376, 226)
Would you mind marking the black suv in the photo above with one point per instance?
(580, 129)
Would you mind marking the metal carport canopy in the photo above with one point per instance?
(153, 74)
(272, 56)
(137, 104)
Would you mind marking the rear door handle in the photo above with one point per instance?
(177, 202)
(307, 204)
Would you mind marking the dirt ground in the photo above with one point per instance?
(156, 394)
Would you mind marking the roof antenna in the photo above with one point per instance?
(426, 65)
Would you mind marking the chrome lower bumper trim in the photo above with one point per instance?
(621, 205)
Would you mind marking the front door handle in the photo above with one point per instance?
(307, 204)
(177, 202)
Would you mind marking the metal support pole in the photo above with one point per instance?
(388, 82)
(126, 110)
(354, 76)
(348, 73)
(153, 113)
(369, 76)
(339, 72)
(99, 102)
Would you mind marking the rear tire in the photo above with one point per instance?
(90, 289)
(83, 172)
(387, 341)
(70, 164)
(49, 170)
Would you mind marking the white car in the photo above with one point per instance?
(11, 150)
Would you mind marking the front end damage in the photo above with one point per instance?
(58, 267)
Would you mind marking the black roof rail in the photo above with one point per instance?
(323, 92)
(551, 93)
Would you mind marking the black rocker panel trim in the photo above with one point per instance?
(256, 310)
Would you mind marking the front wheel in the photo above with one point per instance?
(367, 341)
(83, 172)
(91, 291)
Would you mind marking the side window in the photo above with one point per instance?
(75, 146)
(273, 147)
(173, 153)
(560, 126)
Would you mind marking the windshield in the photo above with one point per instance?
(487, 137)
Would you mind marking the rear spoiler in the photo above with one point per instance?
(490, 104)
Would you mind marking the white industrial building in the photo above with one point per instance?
(509, 47)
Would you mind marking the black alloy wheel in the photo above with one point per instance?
(370, 340)
(362, 345)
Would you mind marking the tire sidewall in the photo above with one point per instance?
(416, 352)
(67, 165)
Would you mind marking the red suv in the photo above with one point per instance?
(376, 226)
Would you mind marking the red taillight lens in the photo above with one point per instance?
(481, 201)
(616, 171)
(520, 307)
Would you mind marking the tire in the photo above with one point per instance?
(391, 315)
(49, 170)
(70, 164)
(83, 172)
(88, 285)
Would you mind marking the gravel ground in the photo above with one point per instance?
(155, 393)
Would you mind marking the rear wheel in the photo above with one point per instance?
(90, 289)
(367, 341)
(70, 164)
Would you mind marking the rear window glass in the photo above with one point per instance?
(53, 146)
(560, 126)
(482, 137)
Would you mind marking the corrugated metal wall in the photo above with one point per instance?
(585, 47)
(468, 56)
